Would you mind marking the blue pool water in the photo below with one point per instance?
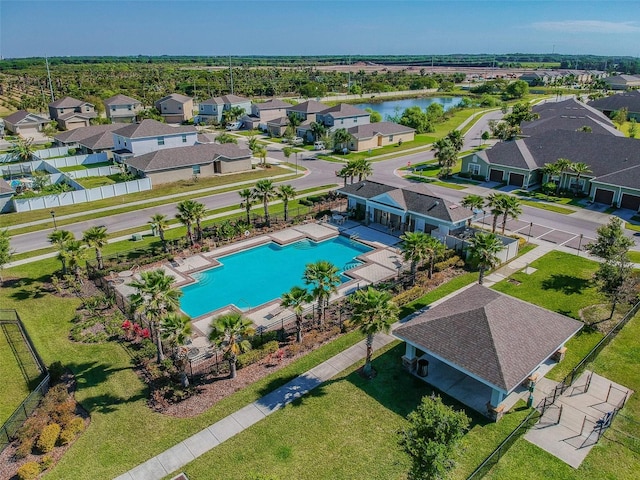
(252, 277)
(396, 107)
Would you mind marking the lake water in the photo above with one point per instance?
(389, 107)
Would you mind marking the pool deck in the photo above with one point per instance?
(382, 263)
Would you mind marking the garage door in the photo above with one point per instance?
(630, 201)
(28, 131)
(495, 175)
(74, 125)
(603, 196)
(516, 179)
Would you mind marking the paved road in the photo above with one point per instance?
(323, 173)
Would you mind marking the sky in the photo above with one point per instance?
(306, 27)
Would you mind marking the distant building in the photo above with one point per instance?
(622, 82)
(24, 123)
(629, 100)
(175, 108)
(72, 113)
(122, 109)
(212, 110)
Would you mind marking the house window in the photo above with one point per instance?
(179, 108)
(355, 120)
(341, 122)
(391, 138)
(164, 107)
(62, 110)
(184, 139)
(196, 169)
(113, 109)
(129, 108)
(474, 169)
(160, 140)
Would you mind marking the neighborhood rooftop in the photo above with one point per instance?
(186, 156)
(370, 130)
(152, 128)
(120, 99)
(68, 102)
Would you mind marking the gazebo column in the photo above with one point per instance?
(409, 359)
(403, 225)
(494, 409)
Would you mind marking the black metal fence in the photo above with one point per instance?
(33, 370)
(549, 401)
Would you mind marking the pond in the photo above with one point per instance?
(391, 107)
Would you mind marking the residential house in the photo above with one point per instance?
(175, 108)
(92, 139)
(72, 113)
(629, 100)
(373, 135)
(485, 348)
(122, 109)
(172, 164)
(213, 109)
(150, 136)
(614, 180)
(262, 112)
(305, 111)
(535, 79)
(25, 123)
(404, 209)
(333, 118)
(622, 82)
(568, 115)
(6, 193)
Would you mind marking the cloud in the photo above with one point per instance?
(590, 26)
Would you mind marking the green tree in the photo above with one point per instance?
(313, 90)
(446, 155)
(517, 89)
(176, 330)
(340, 139)
(633, 128)
(232, 114)
(374, 117)
(432, 438)
(611, 242)
(485, 136)
(325, 279)
(414, 249)
(155, 297)
(373, 312)
(199, 211)
(473, 202)
(416, 118)
(5, 251)
(73, 253)
(186, 216)
(96, 237)
(495, 203)
(261, 153)
(580, 168)
(21, 150)
(296, 299)
(563, 164)
(265, 191)
(252, 143)
(225, 137)
(161, 224)
(511, 207)
(484, 249)
(521, 112)
(152, 113)
(619, 117)
(294, 122)
(435, 113)
(503, 130)
(318, 130)
(434, 251)
(229, 332)
(247, 202)
(59, 238)
(362, 167)
(51, 129)
(286, 193)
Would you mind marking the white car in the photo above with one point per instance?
(234, 125)
(318, 145)
(296, 141)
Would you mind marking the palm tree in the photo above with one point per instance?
(252, 142)
(161, 224)
(286, 193)
(363, 168)
(294, 122)
(473, 202)
(563, 164)
(484, 249)
(229, 333)
(155, 296)
(434, 249)
(199, 212)
(73, 252)
(176, 329)
(247, 202)
(226, 138)
(373, 312)
(325, 278)
(261, 153)
(22, 150)
(186, 216)
(296, 299)
(231, 115)
(551, 170)
(318, 130)
(96, 237)
(446, 154)
(264, 191)
(59, 238)
(495, 203)
(340, 139)
(580, 168)
(414, 249)
(510, 207)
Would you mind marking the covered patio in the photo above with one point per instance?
(485, 348)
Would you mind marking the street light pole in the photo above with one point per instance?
(53, 216)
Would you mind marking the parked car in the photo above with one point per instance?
(318, 145)
(234, 125)
(295, 141)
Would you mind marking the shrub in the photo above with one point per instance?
(446, 264)
(71, 152)
(464, 174)
(29, 471)
(259, 340)
(56, 370)
(408, 296)
(46, 462)
(253, 356)
(146, 350)
(480, 178)
(76, 425)
(48, 438)
(24, 448)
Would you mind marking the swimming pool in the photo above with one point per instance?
(252, 277)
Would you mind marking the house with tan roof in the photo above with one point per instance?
(175, 108)
(484, 348)
(262, 112)
(25, 123)
(150, 136)
(72, 113)
(213, 109)
(380, 134)
(173, 164)
(411, 209)
(122, 109)
(92, 139)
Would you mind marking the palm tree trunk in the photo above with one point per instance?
(414, 268)
(286, 210)
(367, 363)
(431, 262)
(495, 224)
(249, 216)
(164, 242)
(481, 275)
(232, 367)
(99, 259)
(266, 212)
(299, 329)
(160, 352)
(504, 222)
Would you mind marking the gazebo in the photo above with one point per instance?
(481, 345)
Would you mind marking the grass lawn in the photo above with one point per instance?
(14, 386)
(634, 256)
(454, 183)
(546, 206)
(632, 226)
(186, 189)
(75, 168)
(93, 182)
(617, 455)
